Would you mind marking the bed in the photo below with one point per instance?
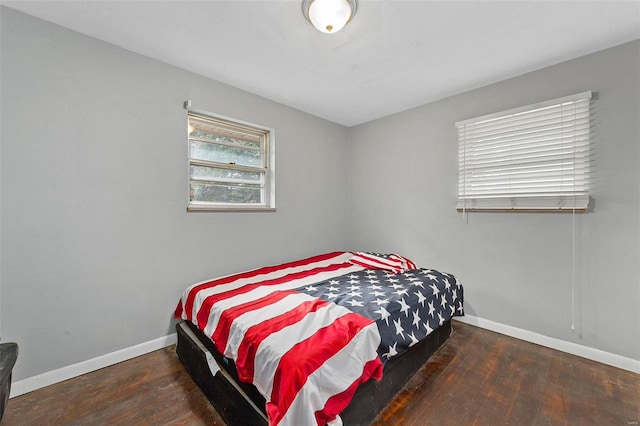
(328, 339)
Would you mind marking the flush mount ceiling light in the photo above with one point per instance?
(329, 16)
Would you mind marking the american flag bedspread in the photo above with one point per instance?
(308, 333)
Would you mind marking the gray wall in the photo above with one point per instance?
(97, 245)
(516, 267)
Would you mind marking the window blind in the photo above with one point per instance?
(535, 157)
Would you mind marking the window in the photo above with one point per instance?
(531, 158)
(231, 164)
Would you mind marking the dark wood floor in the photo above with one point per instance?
(476, 378)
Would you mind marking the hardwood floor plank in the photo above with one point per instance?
(484, 378)
(477, 378)
(152, 389)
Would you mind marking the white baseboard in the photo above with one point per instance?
(597, 355)
(51, 377)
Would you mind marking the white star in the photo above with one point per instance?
(418, 283)
(396, 286)
(425, 271)
(431, 277)
(372, 281)
(334, 282)
(443, 302)
(355, 294)
(354, 287)
(431, 309)
(311, 288)
(353, 281)
(441, 320)
(435, 289)
(460, 308)
(421, 298)
(413, 339)
(429, 329)
(399, 329)
(453, 309)
(393, 280)
(381, 302)
(332, 288)
(412, 278)
(454, 295)
(377, 293)
(405, 307)
(392, 351)
(384, 314)
(458, 284)
(353, 277)
(370, 272)
(408, 274)
(374, 287)
(416, 318)
(401, 292)
(354, 303)
(332, 296)
(447, 284)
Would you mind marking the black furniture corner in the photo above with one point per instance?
(8, 357)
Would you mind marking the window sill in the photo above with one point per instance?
(229, 209)
(581, 210)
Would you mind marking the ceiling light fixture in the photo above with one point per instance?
(329, 16)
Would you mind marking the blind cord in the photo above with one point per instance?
(573, 241)
(573, 270)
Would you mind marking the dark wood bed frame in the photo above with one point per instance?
(241, 404)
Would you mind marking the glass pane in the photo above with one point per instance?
(197, 133)
(214, 173)
(225, 154)
(225, 193)
(221, 131)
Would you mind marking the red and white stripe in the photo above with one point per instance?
(300, 398)
(194, 296)
(306, 360)
(367, 260)
(278, 344)
(305, 355)
(407, 263)
(329, 397)
(393, 262)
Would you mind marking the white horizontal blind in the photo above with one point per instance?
(531, 158)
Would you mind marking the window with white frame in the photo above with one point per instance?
(231, 164)
(533, 158)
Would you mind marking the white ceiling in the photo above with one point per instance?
(393, 56)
